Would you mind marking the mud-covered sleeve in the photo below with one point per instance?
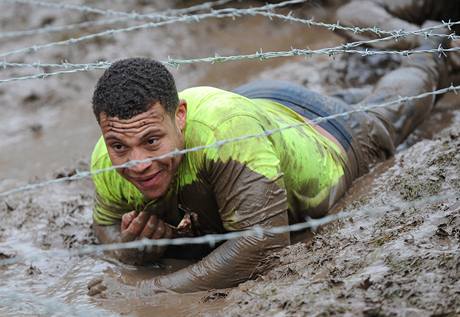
(233, 262)
(246, 176)
(248, 185)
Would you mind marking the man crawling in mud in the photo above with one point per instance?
(276, 180)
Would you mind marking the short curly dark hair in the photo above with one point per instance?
(130, 86)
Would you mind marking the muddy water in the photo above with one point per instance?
(50, 127)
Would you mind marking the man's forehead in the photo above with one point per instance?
(154, 115)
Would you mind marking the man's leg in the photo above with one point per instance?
(420, 74)
(364, 14)
(372, 136)
(377, 132)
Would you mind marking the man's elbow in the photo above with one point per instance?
(112, 234)
(106, 234)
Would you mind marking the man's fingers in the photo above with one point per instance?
(135, 227)
(185, 223)
(160, 230)
(96, 286)
(94, 282)
(127, 218)
(97, 289)
(168, 232)
(150, 227)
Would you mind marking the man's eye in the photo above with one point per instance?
(118, 147)
(152, 141)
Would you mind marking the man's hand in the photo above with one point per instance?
(109, 287)
(136, 226)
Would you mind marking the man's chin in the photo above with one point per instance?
(153, 193)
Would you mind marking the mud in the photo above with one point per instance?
(402, 263)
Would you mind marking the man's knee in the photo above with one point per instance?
(356, 13)
(401, 118)
(407, 81)
(368, 14)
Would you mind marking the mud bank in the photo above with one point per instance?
(400, 262)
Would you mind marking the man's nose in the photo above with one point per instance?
(139, 167)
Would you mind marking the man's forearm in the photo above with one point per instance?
(231, 263)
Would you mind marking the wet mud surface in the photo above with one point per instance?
(396, 255)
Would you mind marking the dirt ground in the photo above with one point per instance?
(396, 255)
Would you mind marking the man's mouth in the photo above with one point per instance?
(147, 182)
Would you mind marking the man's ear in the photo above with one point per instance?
(181, 114)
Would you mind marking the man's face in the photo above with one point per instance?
(149, 134)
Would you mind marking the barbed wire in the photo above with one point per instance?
(88, 9)
(60, 28)
(213, 239)
(169, 14)
(49, 74)
(234, 13)
(307, 52)
(130, 15)
(65, 65)
(203, 6)
(259, 55)
(71, 68)
(86, 174)
(397, 33)
(309, 22)
(331, 50)
(48, 306)
(222, 13)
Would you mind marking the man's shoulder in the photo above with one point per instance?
(99, 157)
(212, 106)
(100, 161)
